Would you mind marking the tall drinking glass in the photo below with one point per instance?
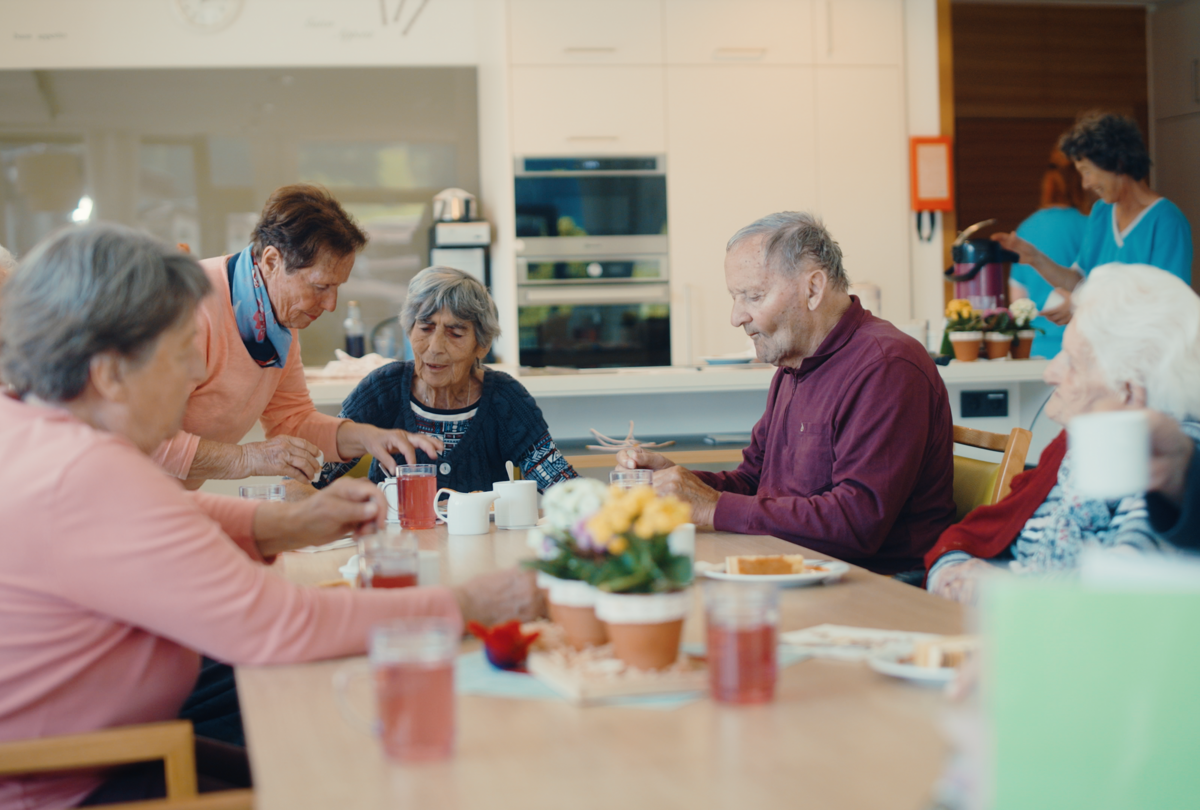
(628, 479)
(388, 560)
(266, 492)
(412, 662)
(417, 486)
(742, 620)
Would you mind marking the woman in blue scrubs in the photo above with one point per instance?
(1130, 224)
(1056, 229)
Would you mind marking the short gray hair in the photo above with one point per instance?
(1143, 325)
(85, 291)
(792, 238)
(437, 288)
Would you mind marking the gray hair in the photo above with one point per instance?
(86, 291)
(437, 288)
(792, 238)
(1144, 328)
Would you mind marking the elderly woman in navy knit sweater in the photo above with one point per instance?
(483, 417)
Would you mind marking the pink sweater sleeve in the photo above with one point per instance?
(136, 547)
(175, 455)
(291, 411)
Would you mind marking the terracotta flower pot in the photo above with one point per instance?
(644, 629)
(966, 345)
(998, 344)
(1023, 346)
(572, 607)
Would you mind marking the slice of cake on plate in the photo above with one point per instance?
(765, 564)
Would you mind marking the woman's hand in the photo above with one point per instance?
(635, 458)
(1022, 247)
(959, 582)
(347, 506)
(356, 440)
(500, 596)
(1171, 453)
(1060, 314)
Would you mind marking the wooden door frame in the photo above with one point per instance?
(945, 37)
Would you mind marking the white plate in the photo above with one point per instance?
(727, 361)
(831, 571)
(891, 664)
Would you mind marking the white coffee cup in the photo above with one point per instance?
(391, 491)
(517, 505)
(1110, 454)
(465, 512)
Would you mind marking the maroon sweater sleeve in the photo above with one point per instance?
(879, 440)
(744, 480)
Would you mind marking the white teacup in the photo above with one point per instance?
(391, 491)
(516, 505)
(1110, 454)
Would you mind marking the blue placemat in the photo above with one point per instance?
(473, 675)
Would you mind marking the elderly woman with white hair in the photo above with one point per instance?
(1134, 341)
(483, 417)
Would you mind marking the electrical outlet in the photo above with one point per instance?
(975, 404)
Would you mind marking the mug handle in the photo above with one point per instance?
(342, 678)
(445, 516)
(394, 483)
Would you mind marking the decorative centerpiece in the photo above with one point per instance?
(964, 331)
(622, 550)
(1024, 311)
(999, 331)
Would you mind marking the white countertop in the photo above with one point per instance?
(690, 379)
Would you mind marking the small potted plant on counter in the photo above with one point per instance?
(999, 330)
(1024, 311)
(565, 565)
(964, 331)
(642, 582)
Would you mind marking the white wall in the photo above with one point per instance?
(1174, 51)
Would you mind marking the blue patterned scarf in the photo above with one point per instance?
(266, 340)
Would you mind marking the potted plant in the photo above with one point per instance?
(999, 330)
(642, 583)
(565, 567)
(964, 331)
(1024, 311)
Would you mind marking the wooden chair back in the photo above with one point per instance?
(978, 482)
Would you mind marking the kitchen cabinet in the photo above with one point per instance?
(587, 110)
(859, 32)
(862, 177)
(568, 32)
(719, 31)
(741, 144)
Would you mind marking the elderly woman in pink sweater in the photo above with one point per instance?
(303, 249)
(115, 580)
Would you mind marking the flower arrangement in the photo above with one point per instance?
(962, 317)
(620, 545)
(1023, 312)
(999, 320)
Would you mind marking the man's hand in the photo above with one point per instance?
(635, 458)
(960, 581)
(348, 505)
(500, 596)
(282, 455)
(356, 440)
(684, 485)
(1170, 456)
(1060, 314)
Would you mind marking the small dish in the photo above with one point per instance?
(818, 572)
(896, 665)
(726, 361)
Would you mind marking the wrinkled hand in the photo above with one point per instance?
(1010, 241)
(959, 582)
(684, 485)
(282, 455)
(355, 440)
(348, 505)
(1170, 456)
(501, 596)
(635, 458)
(1060, 314)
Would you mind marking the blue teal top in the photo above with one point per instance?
(1057, 232)
(1159, 236)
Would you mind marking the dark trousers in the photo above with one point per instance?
(213, 705)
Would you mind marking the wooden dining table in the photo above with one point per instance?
(838, 735)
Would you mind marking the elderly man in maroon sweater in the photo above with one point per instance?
(853, 457)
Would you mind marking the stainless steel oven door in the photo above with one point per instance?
(594, 326)
(591, 269)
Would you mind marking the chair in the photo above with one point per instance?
(171, 742)
(978, 482)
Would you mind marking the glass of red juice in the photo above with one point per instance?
(388, 560)
(416, 486)
(412, 664)
(742, 620)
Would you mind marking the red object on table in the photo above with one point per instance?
(505, 645)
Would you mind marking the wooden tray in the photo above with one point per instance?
(593, 675)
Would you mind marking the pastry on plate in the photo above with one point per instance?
(765, 564)
(944, 651)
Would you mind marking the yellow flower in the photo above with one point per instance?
(617, 545)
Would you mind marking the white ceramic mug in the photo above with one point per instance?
(465, 512)
(1110, 454)
(516, 504)
(391, 491)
